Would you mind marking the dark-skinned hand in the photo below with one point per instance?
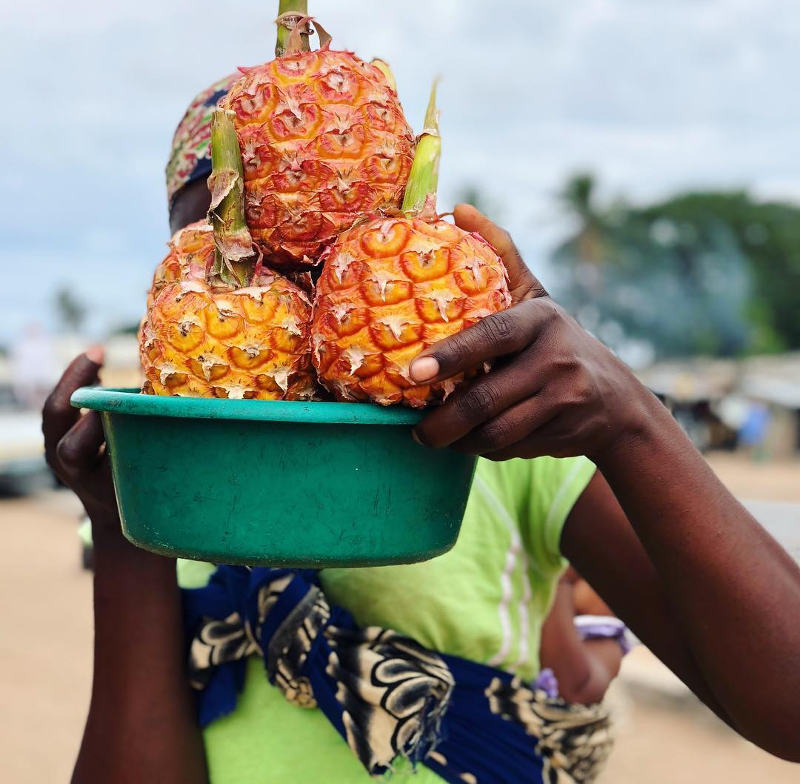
(553, 389)
(74, 442)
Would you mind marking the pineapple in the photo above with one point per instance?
(323, 140)
(199, 340)
(218, 323)
(394, 285)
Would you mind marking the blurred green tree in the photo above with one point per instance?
(700, 273)
(768, 233)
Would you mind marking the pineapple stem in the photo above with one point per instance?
(290, 12)
(233, 254)
(432, 111)
(424, 177)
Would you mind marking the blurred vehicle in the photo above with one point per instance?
(22, 465)
(33, 367)
(25, 376)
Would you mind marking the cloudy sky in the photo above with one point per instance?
(653, 95)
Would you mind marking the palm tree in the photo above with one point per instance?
(589, 244)
(71, 311)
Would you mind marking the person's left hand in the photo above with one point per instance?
(75, 446)
(554, 389)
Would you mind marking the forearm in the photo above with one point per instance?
(584, 669)
(732, 588)
(141, 724)
(560, 647)
(724, 593)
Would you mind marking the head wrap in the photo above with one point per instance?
(190, 156)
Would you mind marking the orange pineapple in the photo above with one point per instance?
(218, 324)
(191, 254)
(392, 286)
(323, 140)
(250, 342)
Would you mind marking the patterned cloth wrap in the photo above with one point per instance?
(385, 694)
(190, 154)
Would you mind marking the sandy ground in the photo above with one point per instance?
(46, 643)
(664, 735)
(776, 481)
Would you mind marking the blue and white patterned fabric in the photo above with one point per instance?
(385, 694)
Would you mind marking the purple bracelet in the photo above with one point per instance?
(604, 627)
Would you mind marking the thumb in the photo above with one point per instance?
(521, 281)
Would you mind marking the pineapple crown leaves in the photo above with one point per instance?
(431, 124)
(234, 245)
(221, 183)
(420, 195)
(300, 28)
(233, 242)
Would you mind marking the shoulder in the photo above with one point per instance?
(541, 480)
(540, 494)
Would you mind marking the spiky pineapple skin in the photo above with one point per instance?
(389, 289)
(198, 341)
(324, 142)
(191, 253)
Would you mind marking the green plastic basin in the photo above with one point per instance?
(278, 483)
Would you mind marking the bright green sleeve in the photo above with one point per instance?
(541, 492)
(555, 486)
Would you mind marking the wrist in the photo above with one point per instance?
(115, 555)
(106, 525)
(644, 418)
(107, 538)
(106, 534)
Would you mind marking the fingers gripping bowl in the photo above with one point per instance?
(286, 483)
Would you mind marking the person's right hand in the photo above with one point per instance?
(74, 443)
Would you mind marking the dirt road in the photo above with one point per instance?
(758, 481)
(46, 650)
(46, 643)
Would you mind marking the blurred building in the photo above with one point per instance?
(122, 368)
(775, 382)
(751, 403)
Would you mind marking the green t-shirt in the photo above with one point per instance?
(484, 600)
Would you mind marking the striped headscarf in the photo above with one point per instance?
(190, 156)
